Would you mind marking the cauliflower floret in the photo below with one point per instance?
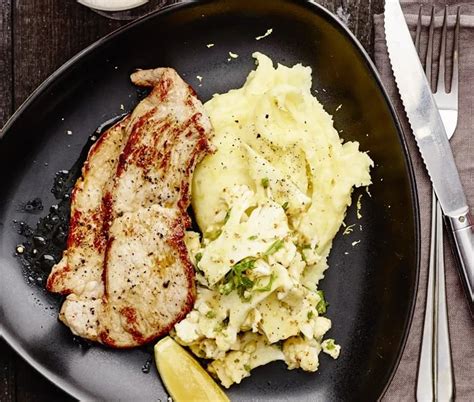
(254, 351)
(301, 353)
(287, 313)
(330, 348)
(206, 349)
(284, 255)
(251, 322)
(296, 267)
(322, 325)
(226, 337)
(203, 321)
(187, 331)
(278, 320)
(233, 368)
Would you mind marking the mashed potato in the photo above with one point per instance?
(269, 202)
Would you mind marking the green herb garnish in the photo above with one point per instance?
(322, 305)
(265, 182)
(214, 235)
(285, 205)
(198, 257)
(276, 245)
(247, 367)
(329, 344)
(268, 286)
(236, 278)
(253, 238)
(211, 314)
(310, 315)
(226, 288)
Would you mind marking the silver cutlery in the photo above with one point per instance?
(435, 380)
(430, 134)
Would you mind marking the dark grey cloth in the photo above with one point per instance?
(461, 325)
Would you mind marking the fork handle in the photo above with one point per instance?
(462, 228)
(444, 366)
(426, 378)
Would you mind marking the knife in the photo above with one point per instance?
(430, 135)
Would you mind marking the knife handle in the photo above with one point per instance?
(462, 227)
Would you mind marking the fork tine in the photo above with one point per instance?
(455, 76)
(429, 50)
(418, 31)
(442, 54)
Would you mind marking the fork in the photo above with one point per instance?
(435, 380)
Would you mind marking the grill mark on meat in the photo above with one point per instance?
(60, 276)
(192, 92)
(105, 338)
(104, 271)
(132, 141)
(99, 238)
(130, 314)
(163, 87)
(76, 234)
(107, 201)
(144, 156)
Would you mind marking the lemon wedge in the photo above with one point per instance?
(182, 375)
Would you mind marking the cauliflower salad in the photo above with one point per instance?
(268, 203)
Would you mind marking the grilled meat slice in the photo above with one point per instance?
(118, 294)
(169, 136)
(149, 278)
(82, 261)
(79, 273)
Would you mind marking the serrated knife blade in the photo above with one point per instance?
(430, 136)
(422, 112)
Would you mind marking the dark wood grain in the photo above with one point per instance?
(36, 37)
(46, 33)
(357, 15)
(6, 61)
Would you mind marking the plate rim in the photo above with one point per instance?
(75, 391)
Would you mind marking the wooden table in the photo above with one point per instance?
(36, 37)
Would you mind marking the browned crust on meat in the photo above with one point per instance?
(132, 140)
(56, 277)
(203, 148)
(177, 241)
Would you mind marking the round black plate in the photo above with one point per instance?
(370, 285)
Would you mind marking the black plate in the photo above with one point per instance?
(371, 290)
